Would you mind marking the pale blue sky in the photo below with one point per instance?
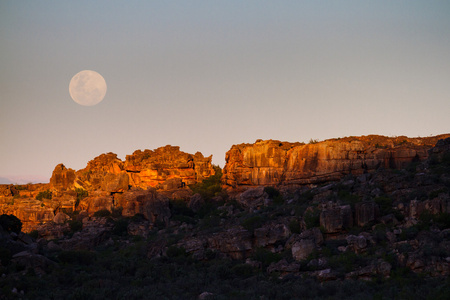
(205, 75)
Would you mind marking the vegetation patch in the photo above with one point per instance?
(10, 223)
(44, 195)
(209, 187)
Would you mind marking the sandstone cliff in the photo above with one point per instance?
(107, 183)
(276, 163)
(164, 168)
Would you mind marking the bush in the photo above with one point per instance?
(253, 222)
(5, 256)
(348, 198)
(34, 234)
(274, 194)
(117, 212)
(174, 251)
(10, 223)
(44, 195)
(81, 257)
(294, 226)
(102, 213)
(243, 270)
(266, 257)
(120, 227)
(312, 218)
(75, 225)
(210, 186)
(81, 193)
(385, 205)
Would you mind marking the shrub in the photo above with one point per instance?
(5, 256)
(81, 257)
(210, 186)
(75, 225)
(120, 227)
(294, 226)
(34, 234)
(174, 251)
(385, 205)
(266, 257)
(117, 212)
(253, 222)
(102, 213)
(243, 270)
(346, 262)
(312, 218)
(348, 198)
(44, 195)
(10, 223)
(274, 194)
(179, 207)
(81, 193)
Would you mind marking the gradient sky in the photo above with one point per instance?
(205, 75)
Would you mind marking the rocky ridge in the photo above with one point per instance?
(108, 183)
(389, 221)
(276, 163)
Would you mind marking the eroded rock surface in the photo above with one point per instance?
(276, 163)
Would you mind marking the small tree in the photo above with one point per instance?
(44, 195)
(10, 223)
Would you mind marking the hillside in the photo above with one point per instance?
(353, 218)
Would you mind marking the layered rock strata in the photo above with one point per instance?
(137, 185)
(275, 163)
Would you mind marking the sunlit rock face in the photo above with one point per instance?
(152, 168)
(106, 183)
(99, 174)
(165, 168)
(275, 163)
(62, 178)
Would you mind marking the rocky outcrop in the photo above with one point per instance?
(62, 178)
(302, 245)
(165, 168)
(366, 212)
(235, 242)
(335, 218)
(154, 206)
(153, 168)
(253, 197)
(441, 151)
(276, 163)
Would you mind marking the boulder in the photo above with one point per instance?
(115, 183)
(154, 206)
(283, 267)
(195, 246)
(96, 202)
(235, 242)
(357, 243)
(305, 243)
(36, 262)
(335, 218)
(302, 249)
(196, 202)
(62, 178)
(366, 212)
(270, 234)
(253, 197)
(60, 218)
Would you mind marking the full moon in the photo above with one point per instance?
(87, 88)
